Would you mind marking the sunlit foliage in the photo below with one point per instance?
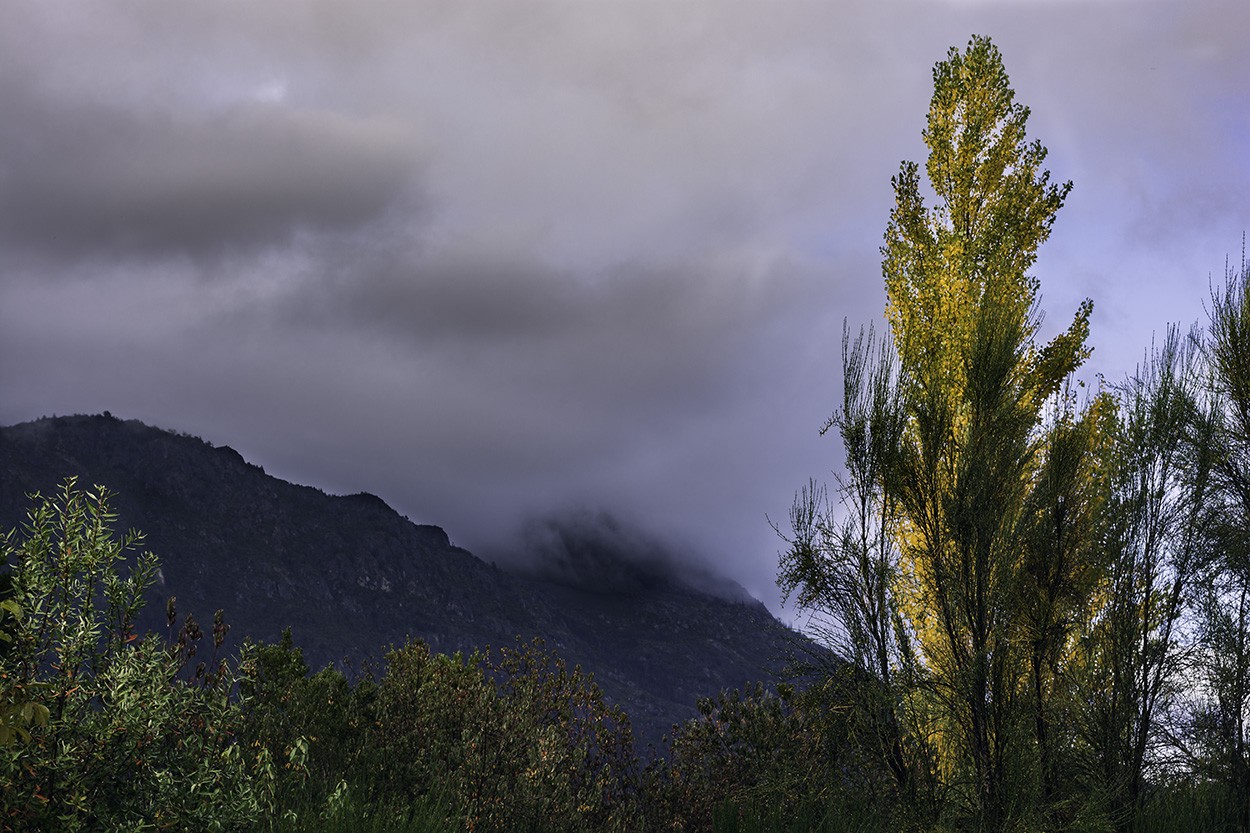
(109, 737)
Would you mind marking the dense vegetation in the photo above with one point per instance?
(1043, 589)
(1040, 597)
(104, 730)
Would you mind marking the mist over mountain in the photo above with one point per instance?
(350, 576)
(601, 554)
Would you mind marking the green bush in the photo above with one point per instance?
(320, 720)
(125, 744)
(517, 741)
(579, 770)
(784, 750)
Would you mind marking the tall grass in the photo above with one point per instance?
(350, 815)
(803, 817)
(1183, 808)
(1198, 808)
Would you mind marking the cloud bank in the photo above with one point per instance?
(504, 262)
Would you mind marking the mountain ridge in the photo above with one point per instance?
(351, 576)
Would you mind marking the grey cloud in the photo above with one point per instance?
(638, 340)
(83, 178)
(470, 297)
(482, 300)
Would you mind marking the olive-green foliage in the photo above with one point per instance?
(322, 717)
(581, 748)
(763, 749)
(424, 719)
(516, 739)
(972, 550)
(123, 743)
(964, 315)
(509, 740)
(346, 813)
(18, 708)
(1048, 600)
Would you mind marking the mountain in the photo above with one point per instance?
(350, 576)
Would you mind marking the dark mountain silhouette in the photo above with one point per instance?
(350, 576)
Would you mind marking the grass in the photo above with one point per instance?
(1178, 810)
(806, 817)
(426, 815)
(1192, 809)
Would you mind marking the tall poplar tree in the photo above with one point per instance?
(963, 312)
(974, 498)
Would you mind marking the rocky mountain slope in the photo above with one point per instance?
(350, 576)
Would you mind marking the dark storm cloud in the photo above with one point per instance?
(86, 179)
(660, 332)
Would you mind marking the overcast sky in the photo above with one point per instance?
(500, 261)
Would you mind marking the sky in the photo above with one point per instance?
(509, 263)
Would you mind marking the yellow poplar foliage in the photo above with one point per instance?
(963, 313)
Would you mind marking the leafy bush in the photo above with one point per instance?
(125, 743)
(577, 751)
(321, 720)
(758, 748)
(518, 741)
